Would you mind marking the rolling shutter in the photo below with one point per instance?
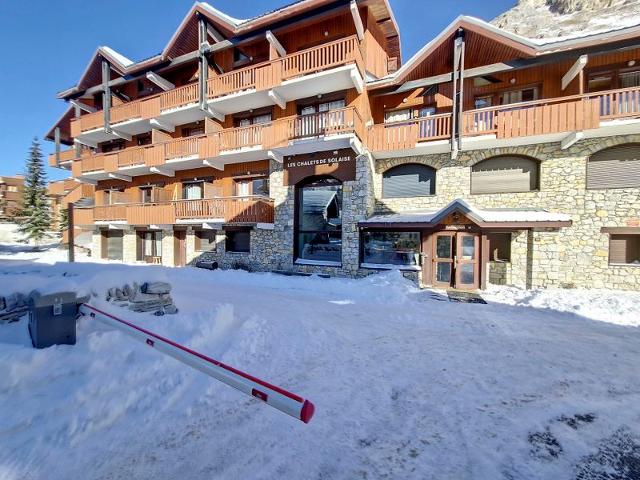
(114, 245)
(615, 167)
(505, 174)
(411, 180)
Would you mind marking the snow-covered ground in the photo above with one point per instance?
(407, 385)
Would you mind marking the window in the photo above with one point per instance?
(112, 244)
(397, 115)
(391, 248)
(517, 96)
(193, 131)
(114, 196)
(192, 190)
(146, 194)
(499, 247)
(319, 221)
(12, 188)
(144, 139)
(600, 81)
(150, 246)
(252, 186)
(483, 102)
(238, 241)
(316, 117)
(624, 249)
(205, 240)
(114, 146)
(410, 180)
(505, 174)
(615, 167)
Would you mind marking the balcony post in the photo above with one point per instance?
(56, 139)
(203, 62)
(106, 94)
(77, 146)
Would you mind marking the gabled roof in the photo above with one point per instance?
(185, 39)
(507, 46)
(482, 217)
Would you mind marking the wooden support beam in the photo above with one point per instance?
(122, 135)
(83, 106)
(215, 35)
(213, 164)
(119, 176)
(574, 71)
(358, 83)
(167, 172)
(357, 20)
(275, 43)
(275, 156)
(571, 139)
(162, 125)
(87, 143)
(213, 113)
(277, 99)
(163, 83)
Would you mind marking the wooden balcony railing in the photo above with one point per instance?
(405, 135)
(261, 76)
(267, 135)
(251, 209)
(270, 74)
(82, 190)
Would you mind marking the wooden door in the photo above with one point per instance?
(443, 259)
(466, 261)
(179, 248)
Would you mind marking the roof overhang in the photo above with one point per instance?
(487, 219)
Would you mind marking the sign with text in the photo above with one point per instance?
(340, 164)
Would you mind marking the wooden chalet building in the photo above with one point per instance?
(299, 141)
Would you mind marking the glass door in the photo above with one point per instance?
(443, 259)
(466, 261)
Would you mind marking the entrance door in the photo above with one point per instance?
(455, 260)
(180, 248)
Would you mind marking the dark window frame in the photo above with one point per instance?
(361, 244)
(230, 242)
(296, 216)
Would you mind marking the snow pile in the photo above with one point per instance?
(406, 384)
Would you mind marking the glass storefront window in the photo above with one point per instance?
(391, 248)
(319, 221)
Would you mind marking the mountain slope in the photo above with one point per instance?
(548, 19)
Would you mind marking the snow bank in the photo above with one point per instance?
(406, 384)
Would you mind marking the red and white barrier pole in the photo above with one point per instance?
(277, 397)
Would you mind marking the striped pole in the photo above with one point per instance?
(285, 401)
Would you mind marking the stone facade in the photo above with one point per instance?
(575, 256)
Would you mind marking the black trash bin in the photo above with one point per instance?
(52, 319)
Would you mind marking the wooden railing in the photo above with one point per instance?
(125, 111)
(623, 103)
(251, 209)
(179, 96)
(270, 74)
(88, 121)
(405, 135)
(267, 135)
(82, 190)
(322, 57)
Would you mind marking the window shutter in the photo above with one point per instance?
(618, 249)
(504, 174)
(615, 167)
(411, 180)
(114, 245)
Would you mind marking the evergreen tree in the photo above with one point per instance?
(36, 215)
(64, 219)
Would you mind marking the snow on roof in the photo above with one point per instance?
(121, 59)
(482, 215)
(221, 15)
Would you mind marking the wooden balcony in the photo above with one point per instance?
(261, 76)
(65, 156)
(267, 135)
(242, 210)
(541, 117)
(405, 135)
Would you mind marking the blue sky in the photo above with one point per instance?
(47, 44)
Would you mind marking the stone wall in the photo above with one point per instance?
(572, 256)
